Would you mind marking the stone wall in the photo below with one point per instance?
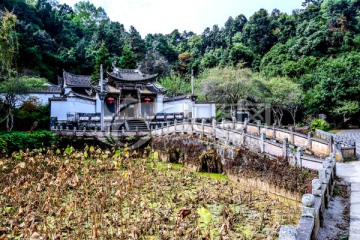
(263, 186)
(313, 205)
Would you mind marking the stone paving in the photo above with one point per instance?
(353, 134)
(351, 173)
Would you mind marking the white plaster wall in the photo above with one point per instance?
(204, 110)
(60, 109)
(43, 98)
(159, 103)
(177, 106)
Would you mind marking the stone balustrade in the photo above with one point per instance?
(313, 205)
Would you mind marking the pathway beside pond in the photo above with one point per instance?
(350, 172)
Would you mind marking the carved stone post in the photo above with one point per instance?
(316, 187)
(292, 130)
(243, 136)
(308, 209)
(259, 127)
(323, 175)
(262, 142)
(228, 136)
(299, 154)
(274, 130)
(214, 127)
(309, 143)
(202, 125)
(331, 144)
(285, 147)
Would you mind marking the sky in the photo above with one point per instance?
(163, 16)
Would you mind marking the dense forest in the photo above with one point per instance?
(307, 62)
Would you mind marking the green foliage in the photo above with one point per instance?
(227, 85)
(282, 94)
(332, 85)
(175, 85)
(307, 47)
(102, 56)
(8, 40)
(31, 112)
(15, 141)
(319, 124)
(240, 54)
(127, 60)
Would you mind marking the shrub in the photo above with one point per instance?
(319, 124)
(14, 141)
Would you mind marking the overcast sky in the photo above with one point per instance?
(163, 16)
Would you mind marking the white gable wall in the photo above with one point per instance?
(205, 110)
(183, 105)
(60, 109)
(42, 97)
(198, 110)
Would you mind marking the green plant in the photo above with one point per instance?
(15, 141)
(319, 124)
(204, 220)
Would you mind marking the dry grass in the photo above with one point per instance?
(99, 194)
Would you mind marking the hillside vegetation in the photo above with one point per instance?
(316, 48)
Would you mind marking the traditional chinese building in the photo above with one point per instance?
(126, 94)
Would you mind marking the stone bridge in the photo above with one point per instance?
(302, 150)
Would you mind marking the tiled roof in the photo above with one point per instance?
(72, 80)
(57, 99)
(107, 89)
(111, 89)
(74, 94)
(131, 75)
(155, 87)
(172, 99)
(48, 88)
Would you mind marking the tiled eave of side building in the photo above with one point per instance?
(72, 80)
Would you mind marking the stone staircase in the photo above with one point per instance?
(137, 125)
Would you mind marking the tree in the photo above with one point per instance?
(102, 56)
(154, 62)
(282, 94)
(8, 41)
(333, 86)
(240, 54)
(136, 43)
(227, 85)
(209, 61)
(185, 59)
(258, 33)
(127, 60)
(347, 109)
(86, 14)
(15, 87)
